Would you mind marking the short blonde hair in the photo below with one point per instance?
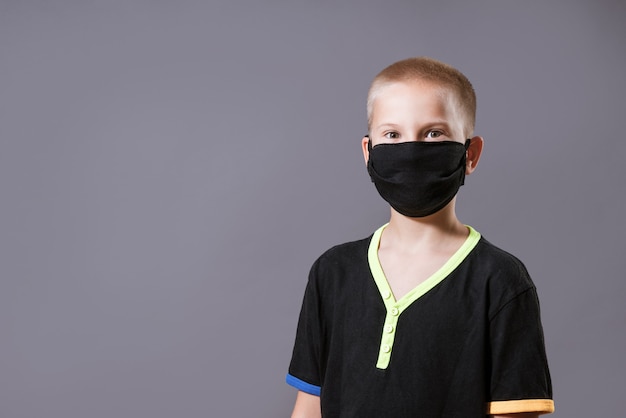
(429, 70)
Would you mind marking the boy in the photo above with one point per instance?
(425, 318)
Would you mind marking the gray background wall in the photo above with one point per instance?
(170, 170)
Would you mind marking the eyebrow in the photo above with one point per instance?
(387, 125)
(442, 123)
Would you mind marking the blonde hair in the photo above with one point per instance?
(428, 70)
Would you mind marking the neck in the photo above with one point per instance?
(433, 230)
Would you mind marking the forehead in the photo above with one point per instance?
(413, 94)
(418, 98)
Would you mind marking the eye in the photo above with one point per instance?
(433, 134)
(392, 135)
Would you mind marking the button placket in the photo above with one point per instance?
(388, 336)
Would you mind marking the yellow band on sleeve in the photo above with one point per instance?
(541, 406)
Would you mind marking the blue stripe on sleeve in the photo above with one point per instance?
(303, 386)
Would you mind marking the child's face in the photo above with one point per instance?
(416, 111)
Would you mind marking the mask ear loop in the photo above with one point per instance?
(369, 149)
(467, 144)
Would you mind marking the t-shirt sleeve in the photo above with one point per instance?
(520, 379)
(304, 369)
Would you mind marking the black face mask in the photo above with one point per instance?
(417, 178)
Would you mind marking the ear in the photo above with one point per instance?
(366, 154)
(474, 151)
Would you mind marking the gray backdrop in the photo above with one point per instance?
(169, 170)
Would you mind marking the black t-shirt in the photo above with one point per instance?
(466, 342)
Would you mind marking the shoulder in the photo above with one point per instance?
(341, 261)
(498, 260)
(504, 275)
(346, 252)
(346, 255)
